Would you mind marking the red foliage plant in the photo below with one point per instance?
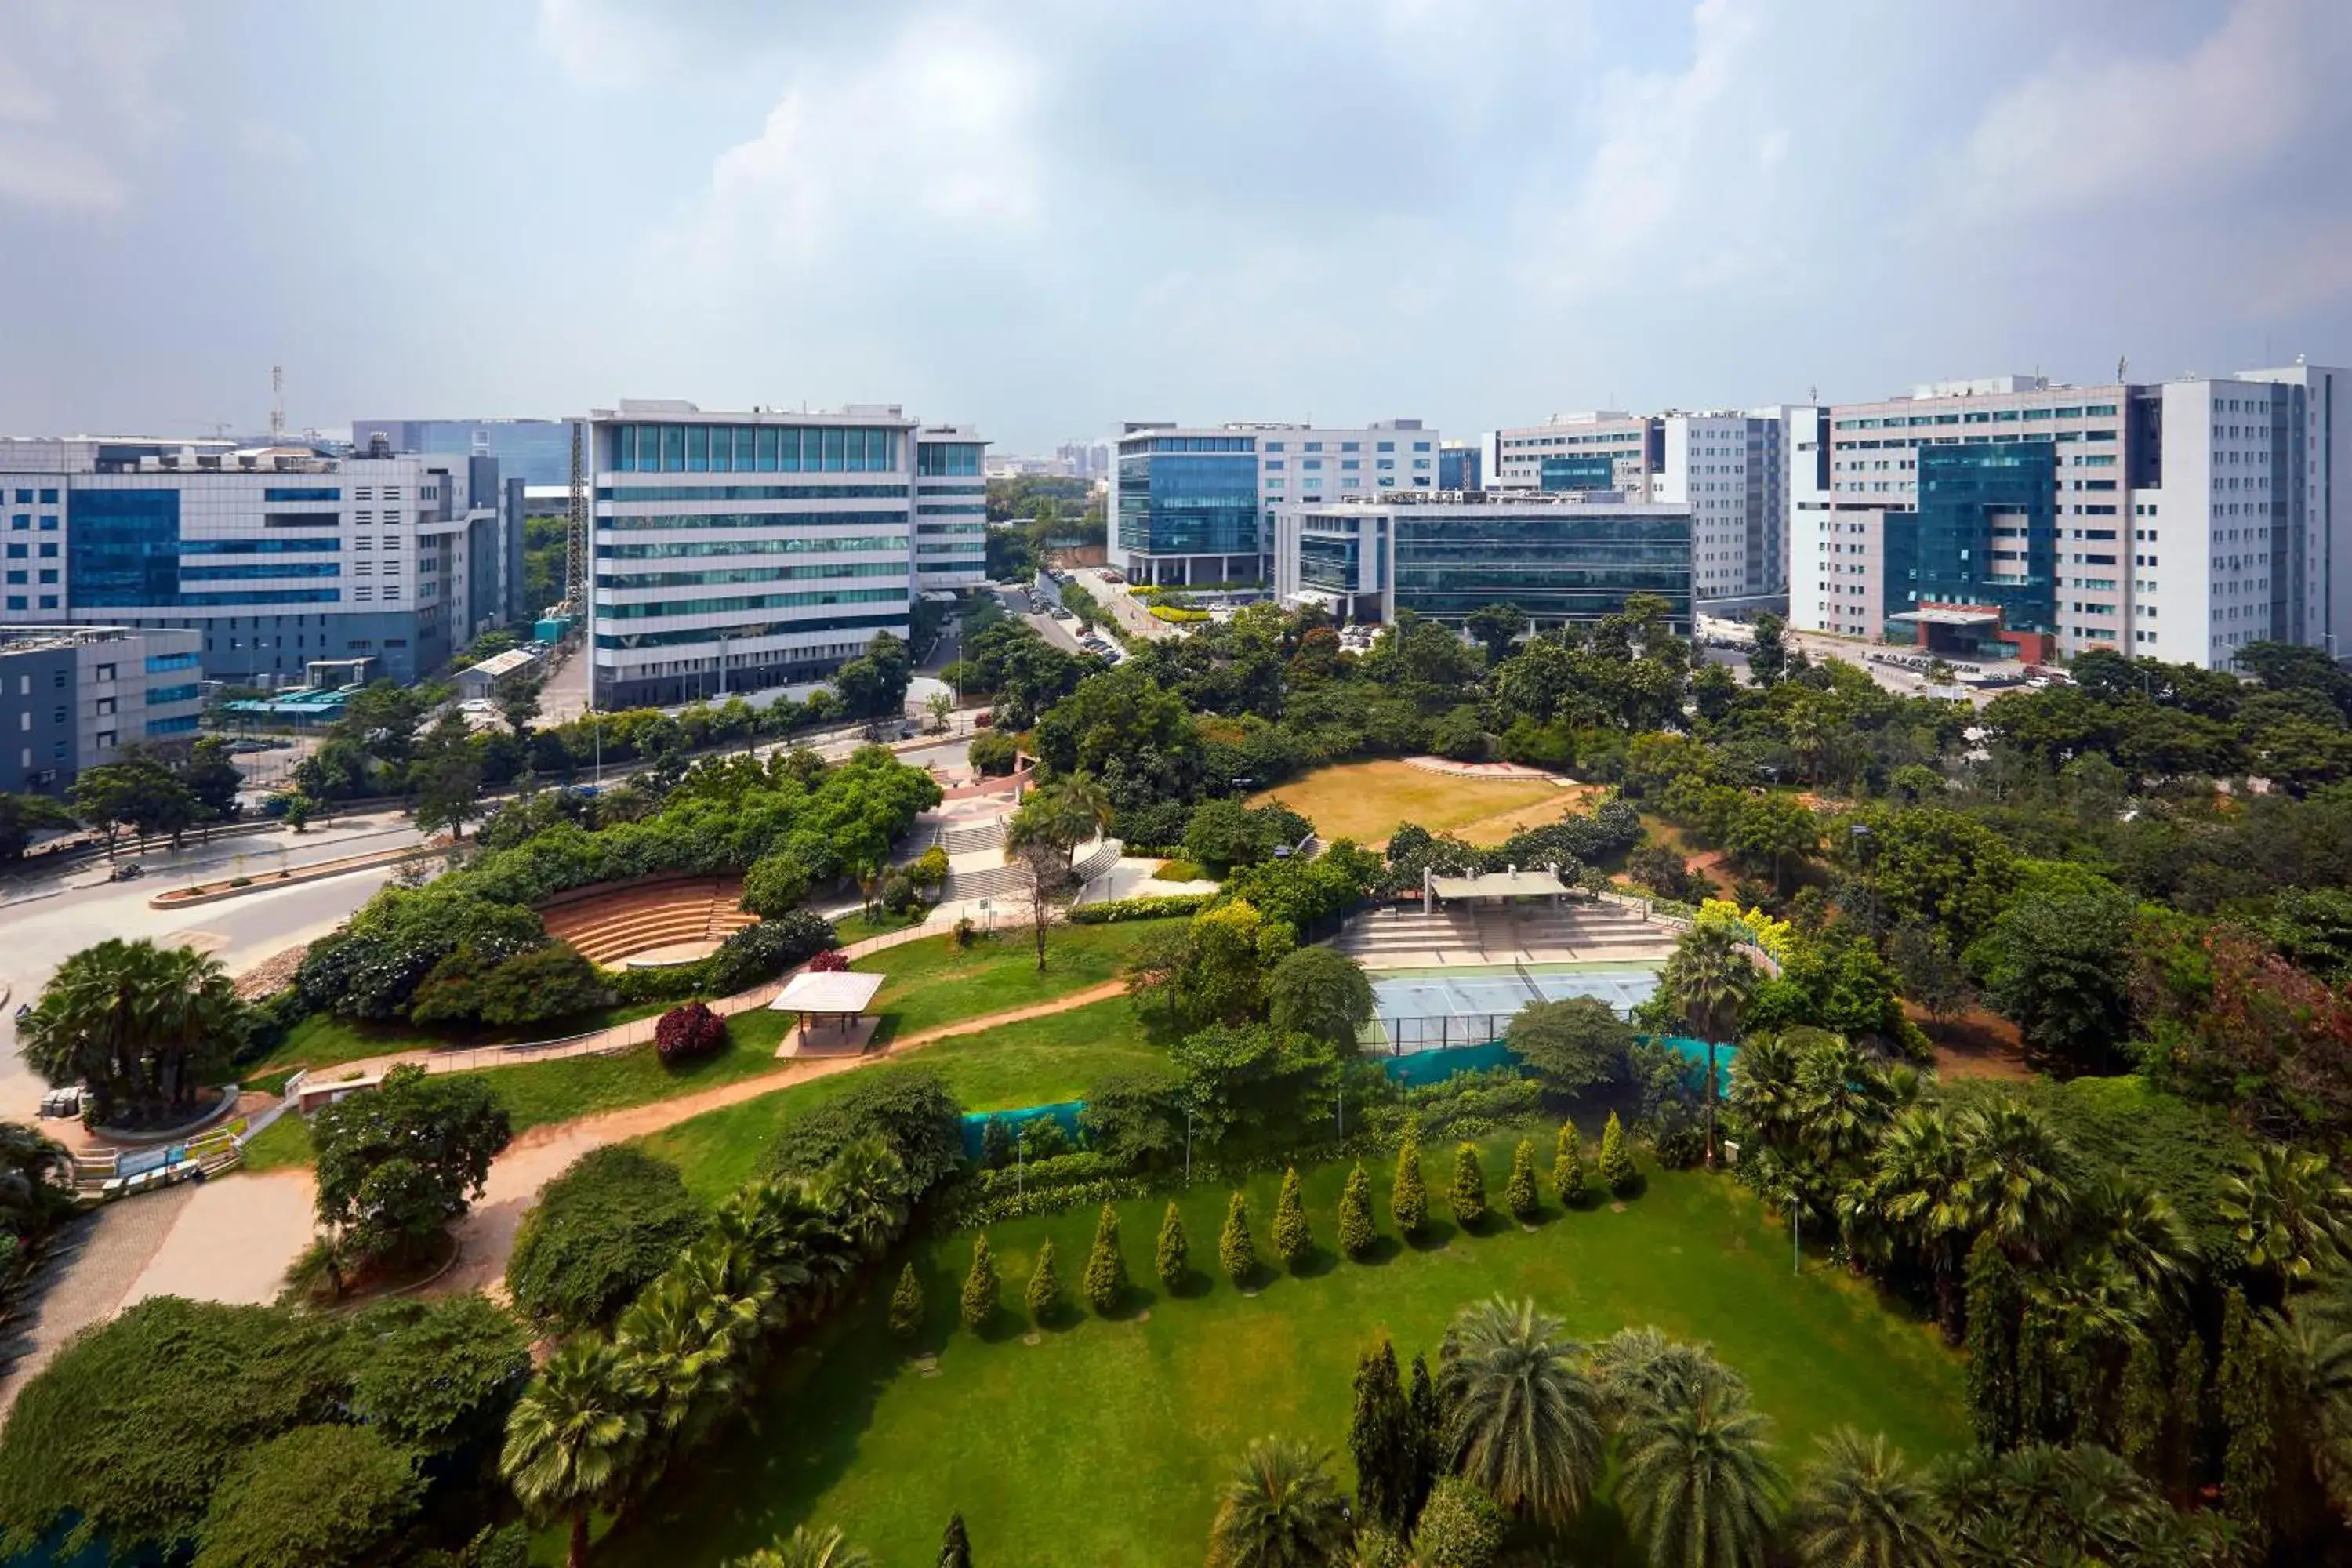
(829, 962)
(688, 1031)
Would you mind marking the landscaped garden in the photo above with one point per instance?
(1106, 1442)
(934, 982)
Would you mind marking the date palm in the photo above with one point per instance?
(1280, 1510)
(1861, 1506)
(1709, 977)
(2291, 1212)
(1523, 1420)
(575, 1438)
(1642, 1371)
(805, 1548)
(1697, 1482)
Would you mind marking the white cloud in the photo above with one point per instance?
(604, 44)
(933, 133)
(42, 172)
(2084, 130)
(1668, 192)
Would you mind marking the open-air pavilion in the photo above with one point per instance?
(832, 1005)
(1439, 889)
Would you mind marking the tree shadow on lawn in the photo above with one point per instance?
(1384, 1249)
(1433, 1235)
(1320, 1261)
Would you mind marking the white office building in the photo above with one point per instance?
(278, 556)
(735, 551)
(950, 507)
(1193, 506)
(2178, 521)
(1727, 467)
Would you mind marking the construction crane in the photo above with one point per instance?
(576, 531)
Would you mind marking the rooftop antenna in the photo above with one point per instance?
(277, 405)
(2123, 367)
(575, 533)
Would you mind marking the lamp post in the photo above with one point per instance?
(1188, 1147)
(1796, 1247)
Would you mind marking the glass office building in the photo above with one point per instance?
(1578, 471)
(1563, 560)
(536, 452)
(1191, 495)
(1987, 531)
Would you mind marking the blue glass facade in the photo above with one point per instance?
(536, 452)
(948, 459)
(125, 547)
(1461, 468)
(1988, 533)
(634, 449)
(1579, 472)
(1186, 502)
(1554, 569)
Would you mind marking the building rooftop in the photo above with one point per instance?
(30, 639)
(680, 410)
(1613, 500)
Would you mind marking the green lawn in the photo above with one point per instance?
(932, 982)
(1103, 1446)
(320, 1041)
(543, 1092)
(1039, 1061)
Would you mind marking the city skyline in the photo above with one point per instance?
(1049, 219)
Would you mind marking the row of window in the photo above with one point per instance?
(22, 522)
(707, 637)
(752, 602)
(755, 448)
(742, 492)
(48, 498)
(1980, 416)
(897, 569)
(948, 458)
(689, 549)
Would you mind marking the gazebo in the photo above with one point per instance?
(832, 1007)
(1438, 889)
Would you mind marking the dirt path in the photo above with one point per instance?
(487, 1233)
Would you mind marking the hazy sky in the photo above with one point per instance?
(1052, 215)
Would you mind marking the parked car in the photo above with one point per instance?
(128, 871)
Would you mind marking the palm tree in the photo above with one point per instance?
(2019, 1178)
(2292, 1211)
(1919, 1183)
(137, 1022)
(1764, 1092)
(1523, 1419)
(1861, 1507)
(2314, 1357)
(1281, 1509)
(807, 1549)
(574, 1437)
(1697, 1481)
(2139, 1228)
(684, 1342)
(1640, 1369)
(863, 1192)
(1061, 816)
(1710, 979)
(1843, 1099)
(36, 1180)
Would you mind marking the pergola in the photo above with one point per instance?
(1439, 887)
(830, 1005)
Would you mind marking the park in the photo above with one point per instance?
(800, 1138)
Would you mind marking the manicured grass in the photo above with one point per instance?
(1368, 800)
(1106, 1443)
(319, 1041)
(1039, 1061)
(543, 1092)
(932, 982)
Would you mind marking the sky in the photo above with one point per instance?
(1053, 216)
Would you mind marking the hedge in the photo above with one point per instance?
(604, 1229)
(1161, 907)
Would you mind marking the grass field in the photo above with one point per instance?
(1102, 1447)
(932, 983)
(1368, 800)
(319, 1041)
(1039, 1061)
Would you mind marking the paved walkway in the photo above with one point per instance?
(88, 1279)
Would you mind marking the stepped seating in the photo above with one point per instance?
(1009, 882)
(966, 840)
(613, 926)
(1492, 934)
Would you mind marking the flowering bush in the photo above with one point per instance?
(687, 1031)
(829, 962)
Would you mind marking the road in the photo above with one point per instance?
(51, 916)
(1125, 607)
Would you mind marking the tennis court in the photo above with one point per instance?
(1418, 1009)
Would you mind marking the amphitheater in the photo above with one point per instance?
(1575, 932)
(671, 920)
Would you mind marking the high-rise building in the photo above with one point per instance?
(1461, 466)
(1557, 557)
(536, 452)
(73, 696)
(735, 551)
(1194, 506)
(1729, 465)
(950, 507)
(2178, 521)
(278, 556)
